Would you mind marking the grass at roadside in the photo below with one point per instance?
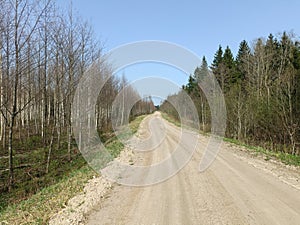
(178, 124)
(171, 119)
(285, 158)
(41, 206)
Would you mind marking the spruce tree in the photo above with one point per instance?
(202, 72)
(190, 87)
(271, 54)
(230, 73)
(217, 60)
(242, 60)
(217, 66)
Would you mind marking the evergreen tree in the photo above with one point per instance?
(285, 55)
(202, 72)
(271, 44)
(229, 73)
(190, 87)
(228, 59)
(243, 60)
(271, 55)
(217, 66)
(217, 59)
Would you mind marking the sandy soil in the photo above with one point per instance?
(239, 188)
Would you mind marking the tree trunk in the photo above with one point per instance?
(69, 141)
(50, 150)
(10, 155)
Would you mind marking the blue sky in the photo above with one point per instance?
(199, 26)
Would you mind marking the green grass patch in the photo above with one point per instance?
(65, 180)
(41, 206)
(285, 158)
(134, 124)
(115, 147)
(171, 119)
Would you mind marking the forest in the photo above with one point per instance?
(44, 52)
(261, 87)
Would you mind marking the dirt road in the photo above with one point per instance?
(236, 189)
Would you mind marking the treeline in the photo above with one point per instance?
(261, 86)
(43, 54)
